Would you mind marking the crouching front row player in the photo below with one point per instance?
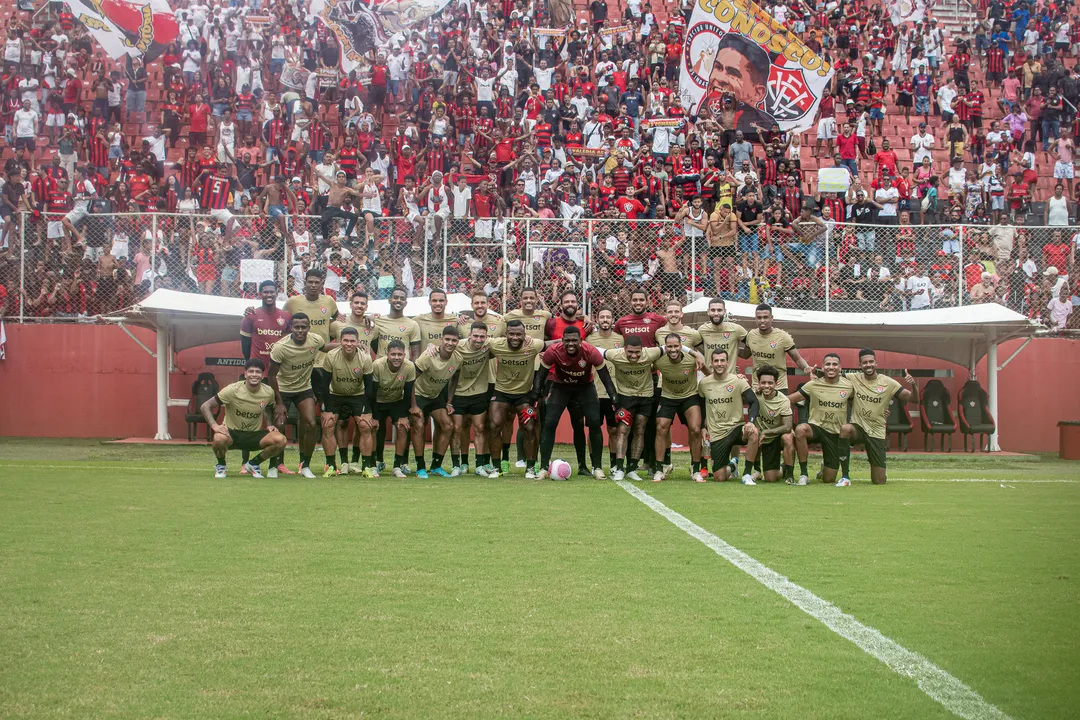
(247, 403)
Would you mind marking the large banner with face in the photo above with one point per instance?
(141, 28)
(737, 58)
(360, 26)
(906, 11)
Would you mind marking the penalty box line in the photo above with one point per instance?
(953, 695)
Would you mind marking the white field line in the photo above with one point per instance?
(88, 466)
(1035, 481)
(953, 695)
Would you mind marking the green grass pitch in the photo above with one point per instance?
(134, 585)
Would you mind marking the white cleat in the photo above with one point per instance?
(633, 476)
(399, 473)
(272, 473)
(219, 472)
(658, 476)
(697, 476)
(306, 472)
(843, 482)
(617, 475)
(356, 469)
(455, 472)
(253, 471)
(667, 469)
(344, 469)
(803, 480)
(757, 476)
(519, 464)
(531, 475)
(480, 471)
(599, 474)
(748, 480)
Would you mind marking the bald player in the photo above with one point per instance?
(869, 412)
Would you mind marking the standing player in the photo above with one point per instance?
(604, 338)
(246, 403)
(349, 368)
(493, 322)
(678, 368)
(829, 396)
(436, 376)
(642, 323)
(873, 393)
(393, 377)
(769, 346)
(534, 320)
(322, 312)
(723, 395)
(259, 330)
(567, 317)
(516, 353)
(719, 334)
(481, 313)
(633, 373)
(571, 363)
(365, 333)
(470, 400)
(432, 323)
(774, 439)
(394, 326)
(674, 312)
(292, 359)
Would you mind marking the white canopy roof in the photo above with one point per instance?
(195, 320)
(958, 335)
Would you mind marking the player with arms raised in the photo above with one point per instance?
(246, 403)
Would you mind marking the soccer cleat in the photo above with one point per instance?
(843, 482)
(330, 471)
(283, 470)
(357, 469)
(305, 471)
(617, 475)
(492, 473)
(530, 473)
(405, 469)
(505, 467)
(667, 469)
(272, 473)
(422, 475)
(252, 470)
(658, 476)
(518, 464)
(381, 466)
(440, 472)
(584, 471)
(747, 479)
(456, 471)
(697, 476)
(481, 471)
(463, 469)
(757, 476)
(803, 480)
(244, 469)
(632, 475)
(344, 469)
(219, 472)
(599, 474)
(542, 475)
(370, 472)
(399, 473)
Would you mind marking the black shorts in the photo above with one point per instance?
(607, 409)
(717, 253)
(247, 439)
(471, 404)
(512, 400)
(320, 384)
(875, 447)
(720, 450)
(564, 396)
(376, 94)
(642, 406)
(669, 407)
(770, 455)
(393, 410)
(830, 446)
(429, 405)
(295, 398)
(346, 406)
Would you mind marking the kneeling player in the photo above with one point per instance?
(350, 385)
(247, 402)
(829, 397)
(869, 411)
(775, 439)
(393, 377)
(723, 395)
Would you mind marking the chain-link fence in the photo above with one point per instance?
(83, 264)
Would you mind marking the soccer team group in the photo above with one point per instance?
(471, 375)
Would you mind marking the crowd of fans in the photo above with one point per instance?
(477, 130)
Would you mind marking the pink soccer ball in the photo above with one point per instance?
(559, 469)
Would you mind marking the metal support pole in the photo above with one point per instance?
(153, 252)
(163, 383)
(828, 261)
(992, 384)
(693, 271)
(22, 266)
(960, 271)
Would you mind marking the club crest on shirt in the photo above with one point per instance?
(400, 378)
(262, 404)
(648, 320)
(401, 328)
(879, 389)
(843, 394)
(581, 363)
(450, 369)
(727, 336)
(357, 371)
(772, 413)
(773, 344)
(281, 322)
(322, 310)
(729, 388)
(686, 372)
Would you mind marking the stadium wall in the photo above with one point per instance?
(95, 381)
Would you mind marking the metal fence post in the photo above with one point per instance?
(590, 258)
(828, 260)
(153, 252)
(692, 290)
(22, 267)
(445, 264)
(960, 272)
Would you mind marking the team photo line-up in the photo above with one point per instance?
(473, 374)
